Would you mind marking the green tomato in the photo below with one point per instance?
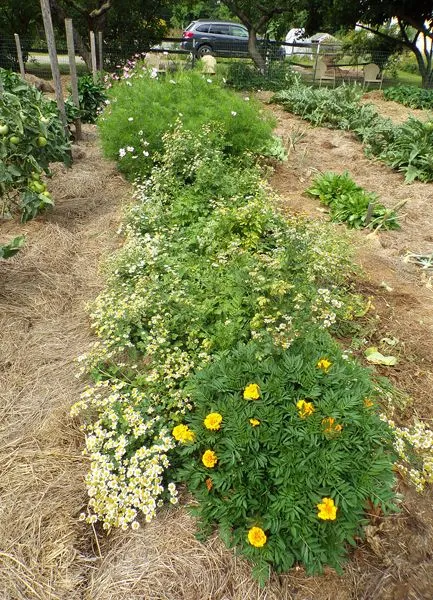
(36, 176)
(428, 126)
(4, 129)
(14, 140)
(42, 141)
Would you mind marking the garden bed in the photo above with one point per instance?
(54, 556)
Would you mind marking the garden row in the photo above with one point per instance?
(407, 147)
(31, 137)
(214, 364)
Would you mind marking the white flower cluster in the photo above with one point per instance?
(414, 445)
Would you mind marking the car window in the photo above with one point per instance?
(203, 28)
(238, 31)
(190, 26)
(221, 29)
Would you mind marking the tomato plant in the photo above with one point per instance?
(31, 137)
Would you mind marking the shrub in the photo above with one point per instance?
(286, 453)
(279, 76)
(142, 108)
(349, 203)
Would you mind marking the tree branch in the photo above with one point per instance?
(386, 36)
(98, 12)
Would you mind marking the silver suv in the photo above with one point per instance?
(222, 38)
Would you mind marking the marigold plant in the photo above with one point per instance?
(295, 489)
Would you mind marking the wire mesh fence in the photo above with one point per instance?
(320, 63)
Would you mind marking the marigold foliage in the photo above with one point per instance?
(306, 489)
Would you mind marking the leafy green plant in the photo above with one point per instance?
(279, 76)
(411, 96)
(142, 107)
(350, 203)
(92, 96)
(289, 443)
(31, 136)
(12, 247)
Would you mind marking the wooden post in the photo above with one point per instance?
(1, 86)
(49, 33)
(73, 73)
(20, 55)
(100, 50)
(93, 51)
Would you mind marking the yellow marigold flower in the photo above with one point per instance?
(257, 537)
(254, 422)
(252, 392)
(338, 427)
(209, 484)
(368, 403)
(209, 459)
(305, 409)
(182, 433)
(327, 510)
(213, 421)
(324, 364)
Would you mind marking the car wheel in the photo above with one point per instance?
(203, 50)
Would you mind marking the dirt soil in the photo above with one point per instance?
(46, 553)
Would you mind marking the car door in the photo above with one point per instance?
(239, 39)
(220, 35)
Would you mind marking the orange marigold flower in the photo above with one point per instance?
(324, 364)
(254, 422)
(213, 421)
(209, 484)
(252, 392)
(368, 403)
(305, 409)
(329, 425)
(257, 537)
(327, 510)
(182, 433)
(209, 459)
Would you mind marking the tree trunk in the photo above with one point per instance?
(59, 16)
(254, 50)
(425, 66)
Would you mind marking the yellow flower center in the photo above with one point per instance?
(182, 433)
(213, 421)
(257, 537)
(209, 459)
(252, 392)
(327, 510)
(368, 403)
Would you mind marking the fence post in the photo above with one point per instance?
(49, 33)
(100, 50)
(93, 51)
(20, 55)
(73, 73)
(1, 87)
